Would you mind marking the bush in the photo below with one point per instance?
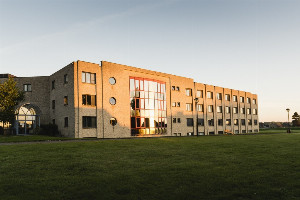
(49, 129)
(1, 130)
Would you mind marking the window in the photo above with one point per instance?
(228, 121)
(173, 104)
(189, 122)
(178, 104)
(66, 79)
(66, 122)
(65, 100)
(53, 121)
(220, 122)
(249, 122)
(254, 101)
(242, 99)
(210, 108)
(173, 88)
(200, 107)
(112, 80)
(236, 132)
(190, 134)
(243, 122)
(174, 120)
(27, 87)
(112, 101)
(209, 95)
(113, 121)
(53, 104)
(227, 109)
(178, 120)
(53, 85)
(88, 77)
(188, 92)
(89, 122)
(188, 107)
(248, 111)
(235, 110)
(236, 122)
(227, 97)
(242, 110)
(254, 111)
(219, 109)
(200, 122)
(177, 88)
(211, 133)
(219, 96)
(199, 93)
(255, 122)
(220, 132)
(248, 100)
(210, 122)
(234, 98)
(89, 100)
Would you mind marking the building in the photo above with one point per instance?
(117, 101)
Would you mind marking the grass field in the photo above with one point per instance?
(227, 167)
(30, 138)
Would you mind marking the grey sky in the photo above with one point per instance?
(247, 45)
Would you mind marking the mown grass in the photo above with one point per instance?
(29, 138)
(227, 167)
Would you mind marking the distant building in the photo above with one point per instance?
(115, 101)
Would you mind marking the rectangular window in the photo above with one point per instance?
(189, 122)
(65, 100)
(243, 122)
(220, 132)
(209, 95)
(248, 111)
(188, 107)
(235, 110)
(210, 108)
(89, 100)
(177, 88)
(200, 107)
(228, 121)
(173, 88)
(66, 79)
(173, 104)
(188, 92)
(210, 122)
(66, 122)
(178, 104)
(53, 104)
(254, 111)
(174, 120)
(248, 100)
(89, 122)
(88, 77)
(199, 93)
(27, 87)
(249, 122)
(227, 108)
(53, 121)
(234, 98)
(220, 122)
(236, 122)
(254, 101)
(255, 122)
(219, 109)
(178, 120)
(219, 96)
(242, 99)
(242, 110)
(227, 97)
(200, 122)
(53, 85)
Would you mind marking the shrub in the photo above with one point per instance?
(1, 130)
(49, 129)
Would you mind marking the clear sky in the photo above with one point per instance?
(249, 45)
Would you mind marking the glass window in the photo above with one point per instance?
(66, 79)
(210, 122)
(254, 111)
(220, 122)
(173, 87)
(89, 100)
(219, 96)
(177, 88)
(112, 101)
(249, 122)
(200, 122)
(248, 100)
(89, 122)
(236, 122)
(112, 80)
(113, 121)
(235, 110)
(88, 77)
(178, 120)
(227, 108)
(83, 77)
(200, 107)
(188, 107)
(242, 99)
(210, 108)
(189, 122)
(227, 97)
(188, 92)
(53, 104)
(199, 93)
(27, 87)
(254, 101)
(219, 109)
(66, 120)
(209, 95)
(65, 100)
(173, 104)
(242, 110)
(248, 111)
(234, 98)
(243, 122)
(178, 104)
(228, 122)
(53, 85)
(174, 120)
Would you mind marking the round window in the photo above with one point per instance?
(113, 121)
(112, 101)
(112, 80)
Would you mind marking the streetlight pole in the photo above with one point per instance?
(196, 104)
(288, 130)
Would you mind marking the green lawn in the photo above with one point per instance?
(29, 138)
(227, 167)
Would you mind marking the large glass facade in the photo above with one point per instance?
(148, 106)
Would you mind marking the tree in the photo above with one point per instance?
(296, 119)
(10, 96)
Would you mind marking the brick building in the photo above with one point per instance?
(115, 101)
